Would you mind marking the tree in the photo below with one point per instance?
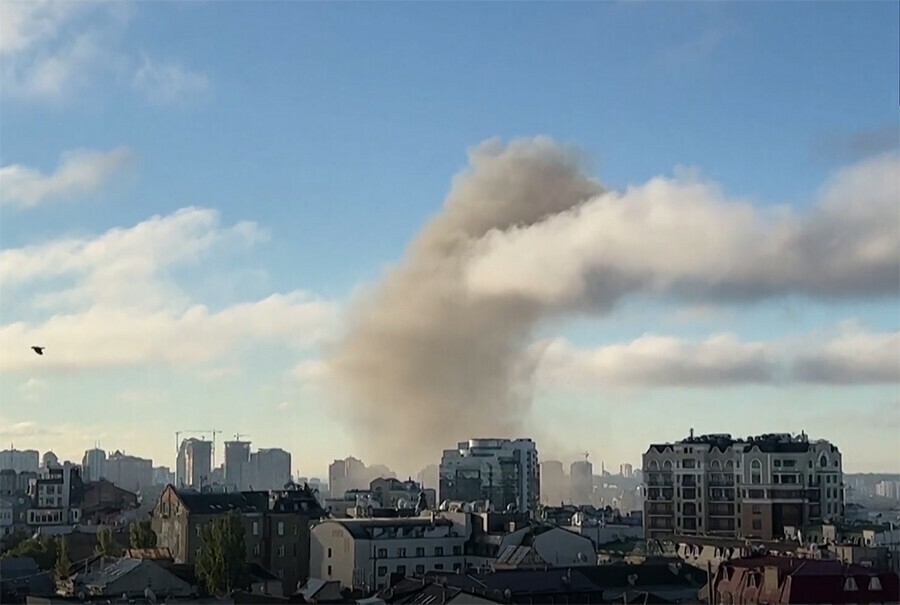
(106, 544)
(142, 535)
(61, 570)
(42, 550)
(222, 564)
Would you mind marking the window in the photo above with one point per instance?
(457, 566)
(382, 553)
(850, 584)
(420, 569)
(667, 465)
(281, 528)
(777, 462)
(281, 550)
(457, 550)
(199, 530)
(256, 550)
(716, 464)
(256, 528)
(874, 583)
(757, 524)
(438, 551)
(439, 566)
(329, 571)
(420, 551)
(654, 465)
(197, 552)
(401, 569)
(401, 552)
(382, 571)
(329, 553)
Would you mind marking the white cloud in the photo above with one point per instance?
(652, 361)
(52, 52)
(655, 361)
(854, 357)
(124, 310)
(125, 267)
(686, 238)
(79, 172)
(170, 83)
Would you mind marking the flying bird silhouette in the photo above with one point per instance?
(38, 350)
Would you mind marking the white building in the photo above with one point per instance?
(51, 493)
(503, 472)
(363, 553)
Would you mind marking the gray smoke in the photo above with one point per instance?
(424, 365)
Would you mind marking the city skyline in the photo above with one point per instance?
(653, 219)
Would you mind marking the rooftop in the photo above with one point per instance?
(216, 503)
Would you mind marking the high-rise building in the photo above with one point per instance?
(270, 469)
(93, 465)
(237, 460)
(129, 472)
(194, 462)
(345, 474)
(504, 472)
(626, 470)
(554, 483)
(749, 488)
(50, 460)
(21, 461)
(581, 481)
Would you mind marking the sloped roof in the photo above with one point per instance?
(216, 504)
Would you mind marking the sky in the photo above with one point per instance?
(196, 198)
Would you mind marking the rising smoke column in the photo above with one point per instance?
(423, 364)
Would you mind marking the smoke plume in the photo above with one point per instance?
(423, 365)
(436, 351)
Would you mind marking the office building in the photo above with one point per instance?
(748, 488)
(500, 471)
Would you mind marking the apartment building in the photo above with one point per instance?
(503, 472)
(129, 472)
(55, 495)
(276, 526)
(363, 553)
(750, 488)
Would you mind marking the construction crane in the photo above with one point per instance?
(202, 433)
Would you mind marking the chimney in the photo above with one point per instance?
(692, 432)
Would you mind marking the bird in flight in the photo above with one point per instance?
(38, 350)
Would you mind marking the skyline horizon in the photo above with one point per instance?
(295, 472)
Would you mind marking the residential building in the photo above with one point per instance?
(888, 489)
(363, 553)
(194, 463)
(163, 476)
(346, 474)
(503, 472)
(237, 460)
(129, 472)
(770, 579)
(20, 461)
(56, 495)
(751, 488)
(270, 468)
(581, 482)
(93, 465)
(103, 502)
(389, 492)
(276, 526)
(554, 483)
(544, 546)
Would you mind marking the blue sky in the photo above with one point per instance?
(336, 130)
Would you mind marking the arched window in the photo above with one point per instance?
(667, 465)
(716, 464)
(823, 460)
(654, 465)
(755, 471)
(729, 464)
